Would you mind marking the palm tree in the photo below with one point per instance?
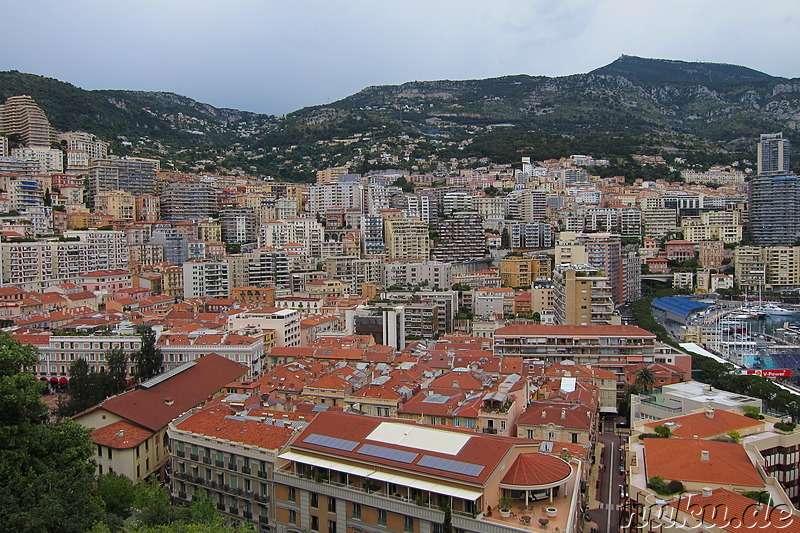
(645, 377)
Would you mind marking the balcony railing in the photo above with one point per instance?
(490, 431)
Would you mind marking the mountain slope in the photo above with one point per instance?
(716, 106)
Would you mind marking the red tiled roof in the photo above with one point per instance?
(211, 421)
(120, 435)
(154, 407)
(567, 415)
(731, 511)
(680, 459)
(487, 451)
(536, 469)
(702, 426)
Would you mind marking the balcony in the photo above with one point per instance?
(262, 474)
(248, 515)
(490, 431)
(218, 463)
(245, 470)
(193, 457)
(221, 506)
(181, 453)
(207, 460)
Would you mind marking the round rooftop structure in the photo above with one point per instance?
(536, 471)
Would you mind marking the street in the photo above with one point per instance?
(604, 508)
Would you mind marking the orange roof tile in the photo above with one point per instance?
(536, 469)
(680, 459)
(733, 512)
(211, 421)
(120, 435)
(702, 426)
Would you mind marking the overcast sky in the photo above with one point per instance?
(278, 56)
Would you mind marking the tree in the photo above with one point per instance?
(117, 493)
(404, 184)
(48, 200)
(86, 388)
(751, 411)
(645, 377)
(203, 509)
(152, 502)
(663, 431)
(46, 470)
(148, 357)
(117, 361)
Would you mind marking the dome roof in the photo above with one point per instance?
(536, 470)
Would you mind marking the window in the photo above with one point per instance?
(314, 523)
(99, 451)
(109, 454)
(314, 499)
(357, 511)
(381, 517)
(574, 438)
(331, 526)
(292, 497)
(408, 524)
(331, 505)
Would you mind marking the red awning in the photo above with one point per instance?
(62, 380)
(44, 378)
(54, 380)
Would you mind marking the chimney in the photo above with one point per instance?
(709, 412)
(544, 414)
(705, 456)
(563, 413)
(706, 491)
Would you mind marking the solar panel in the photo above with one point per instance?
(331, 442)
(449, 465)
(388, 453)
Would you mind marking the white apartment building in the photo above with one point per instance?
(205, 278)
(179, 348)
(305, 231)
(285, 323)
(346, 195)
(50, 159)
(435, 273)
(110, 246)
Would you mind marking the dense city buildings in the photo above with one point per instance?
(438, 339)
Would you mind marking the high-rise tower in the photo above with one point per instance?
(21, 116)
(773, 153)
(774, 195)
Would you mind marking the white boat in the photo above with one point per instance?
(769, 308)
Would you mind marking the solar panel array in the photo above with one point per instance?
(331, 442)
(388, 453)
(449, 465)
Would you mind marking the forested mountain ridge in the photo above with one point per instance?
(648, 102)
